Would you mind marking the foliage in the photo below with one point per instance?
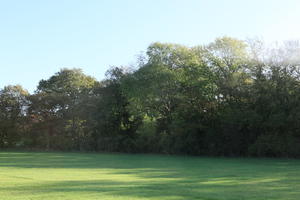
(13, 105)
(227, 98)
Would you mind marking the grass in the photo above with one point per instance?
(88, 176)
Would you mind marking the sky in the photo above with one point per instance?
(38, 38)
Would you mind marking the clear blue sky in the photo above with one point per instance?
(38, 37)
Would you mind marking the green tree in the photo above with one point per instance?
(60, 99)
(13, 109)
(115, 125)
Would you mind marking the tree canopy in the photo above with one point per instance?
(227, 98)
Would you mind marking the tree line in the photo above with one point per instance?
(226, 98)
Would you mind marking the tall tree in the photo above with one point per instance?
(13, 109)
(60, 99)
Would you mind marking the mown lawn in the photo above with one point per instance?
(72, 176)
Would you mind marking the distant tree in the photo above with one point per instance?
(115, 125)
(230, 98)
(13, 110)
(58, 101)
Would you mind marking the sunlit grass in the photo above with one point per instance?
(72, 176)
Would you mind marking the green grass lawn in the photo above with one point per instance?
(72, 176)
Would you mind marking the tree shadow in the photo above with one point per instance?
(160, 177)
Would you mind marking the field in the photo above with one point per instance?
(89, 176)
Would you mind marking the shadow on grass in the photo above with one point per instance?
(136, 189)
(162, 177)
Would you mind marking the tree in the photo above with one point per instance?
(13, 109)
(59, 99)
(115, 125)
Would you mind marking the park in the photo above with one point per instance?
(150, 100)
